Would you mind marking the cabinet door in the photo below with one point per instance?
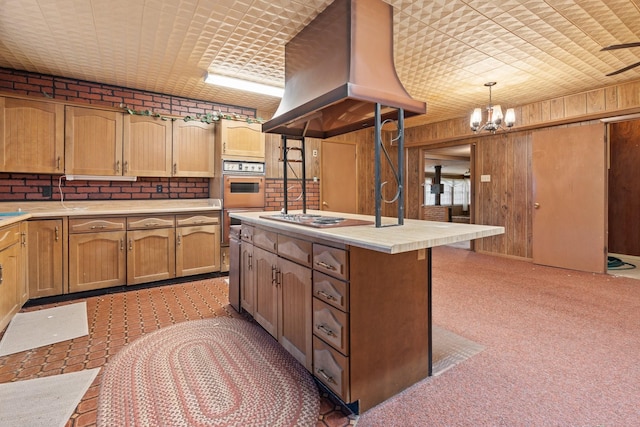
(97, 260)
(193, 145)
(197, 250)
(10, 274)
(31, 136)
(93, 141)
(266, 310)
(247, 278)
(147, 146)
(295, 314)
(150, 255)
(45, 258)
(241, 140)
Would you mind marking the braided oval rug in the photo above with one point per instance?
(212, 372)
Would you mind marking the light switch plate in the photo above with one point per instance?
(485, 178)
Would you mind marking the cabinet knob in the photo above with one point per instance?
(536, 205)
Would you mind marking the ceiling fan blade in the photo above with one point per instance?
(621, 46)
(622, 70)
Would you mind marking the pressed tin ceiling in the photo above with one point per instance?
(445, 50)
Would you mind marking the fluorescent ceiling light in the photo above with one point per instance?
(216, 79)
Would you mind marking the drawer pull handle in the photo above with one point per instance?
(57, 233)
(326, 296)
(121, 245)
(98, 227)
(1, 274)
(326, 330)
(130, 244)
(250, 262)
(325, 265)
(179, 242)
(150, 224)
(324, 375)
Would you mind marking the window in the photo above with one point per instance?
(456, 192)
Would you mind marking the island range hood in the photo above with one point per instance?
(337, 69)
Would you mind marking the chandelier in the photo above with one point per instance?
(494, 116)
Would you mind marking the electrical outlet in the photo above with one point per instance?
(315, 153)
(46, 191)
(158, 188)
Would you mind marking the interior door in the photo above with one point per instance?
(338, 176)
(569, 195)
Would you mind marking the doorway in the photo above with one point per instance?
(624, 199)
(447, 189)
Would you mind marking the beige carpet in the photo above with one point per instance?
(450, 349)
(43, 402)
(43, 327)
(214, 372)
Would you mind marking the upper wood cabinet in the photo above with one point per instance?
(147, 146)
(241, 140)
(31, 136)
(193, 149)
(93, 141)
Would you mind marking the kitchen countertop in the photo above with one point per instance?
(413, 235)
(12, 212)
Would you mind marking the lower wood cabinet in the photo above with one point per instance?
(197, 244)
(247, 277)
(11, 273)
(150, 255)
(45, 249)
(97, 259)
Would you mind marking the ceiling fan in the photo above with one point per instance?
(622, 46)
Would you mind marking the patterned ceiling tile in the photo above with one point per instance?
(444, 49)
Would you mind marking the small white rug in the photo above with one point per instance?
(43, 327)
(47, 402)
(450, 349)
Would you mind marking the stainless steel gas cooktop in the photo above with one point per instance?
(317, 221)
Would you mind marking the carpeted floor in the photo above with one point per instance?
(561, 348)
(214, 372)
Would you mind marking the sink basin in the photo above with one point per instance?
(5, 214)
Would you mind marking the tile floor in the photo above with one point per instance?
(116, 319)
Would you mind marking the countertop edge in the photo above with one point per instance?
(392, 239)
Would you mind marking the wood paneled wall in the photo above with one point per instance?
(274, 164)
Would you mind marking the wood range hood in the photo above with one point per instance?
(337, 69)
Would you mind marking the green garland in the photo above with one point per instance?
(208, 118)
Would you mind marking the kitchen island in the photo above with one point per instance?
(351, 303)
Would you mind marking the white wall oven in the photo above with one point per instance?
(243, 190)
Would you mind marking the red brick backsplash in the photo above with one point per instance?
(33, 187)
(274, 199)
(67, 89)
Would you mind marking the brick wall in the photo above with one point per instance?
(15, 187)
(437, 213)
(32, 187)
(274, 199)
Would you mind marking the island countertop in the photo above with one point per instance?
(391, 238)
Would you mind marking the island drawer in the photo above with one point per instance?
(331, 325)
(332, 261)
(246, 233)
(148, 222)
(331, 368)
(197, 219)
(267, 240)
(331, 290)
(92, 225)
(297, 250)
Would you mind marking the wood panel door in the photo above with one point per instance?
(147, 146)
(294, 315)
(97, 260)
(241, 140)
(569, 196)
(338, 177)
(31, 136)
(197, 249)
(266, 308)
(247, 278)
(193, 149)
(151, 255)
(93, 141)
(45, 249)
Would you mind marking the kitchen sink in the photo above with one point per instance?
(7, 214)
